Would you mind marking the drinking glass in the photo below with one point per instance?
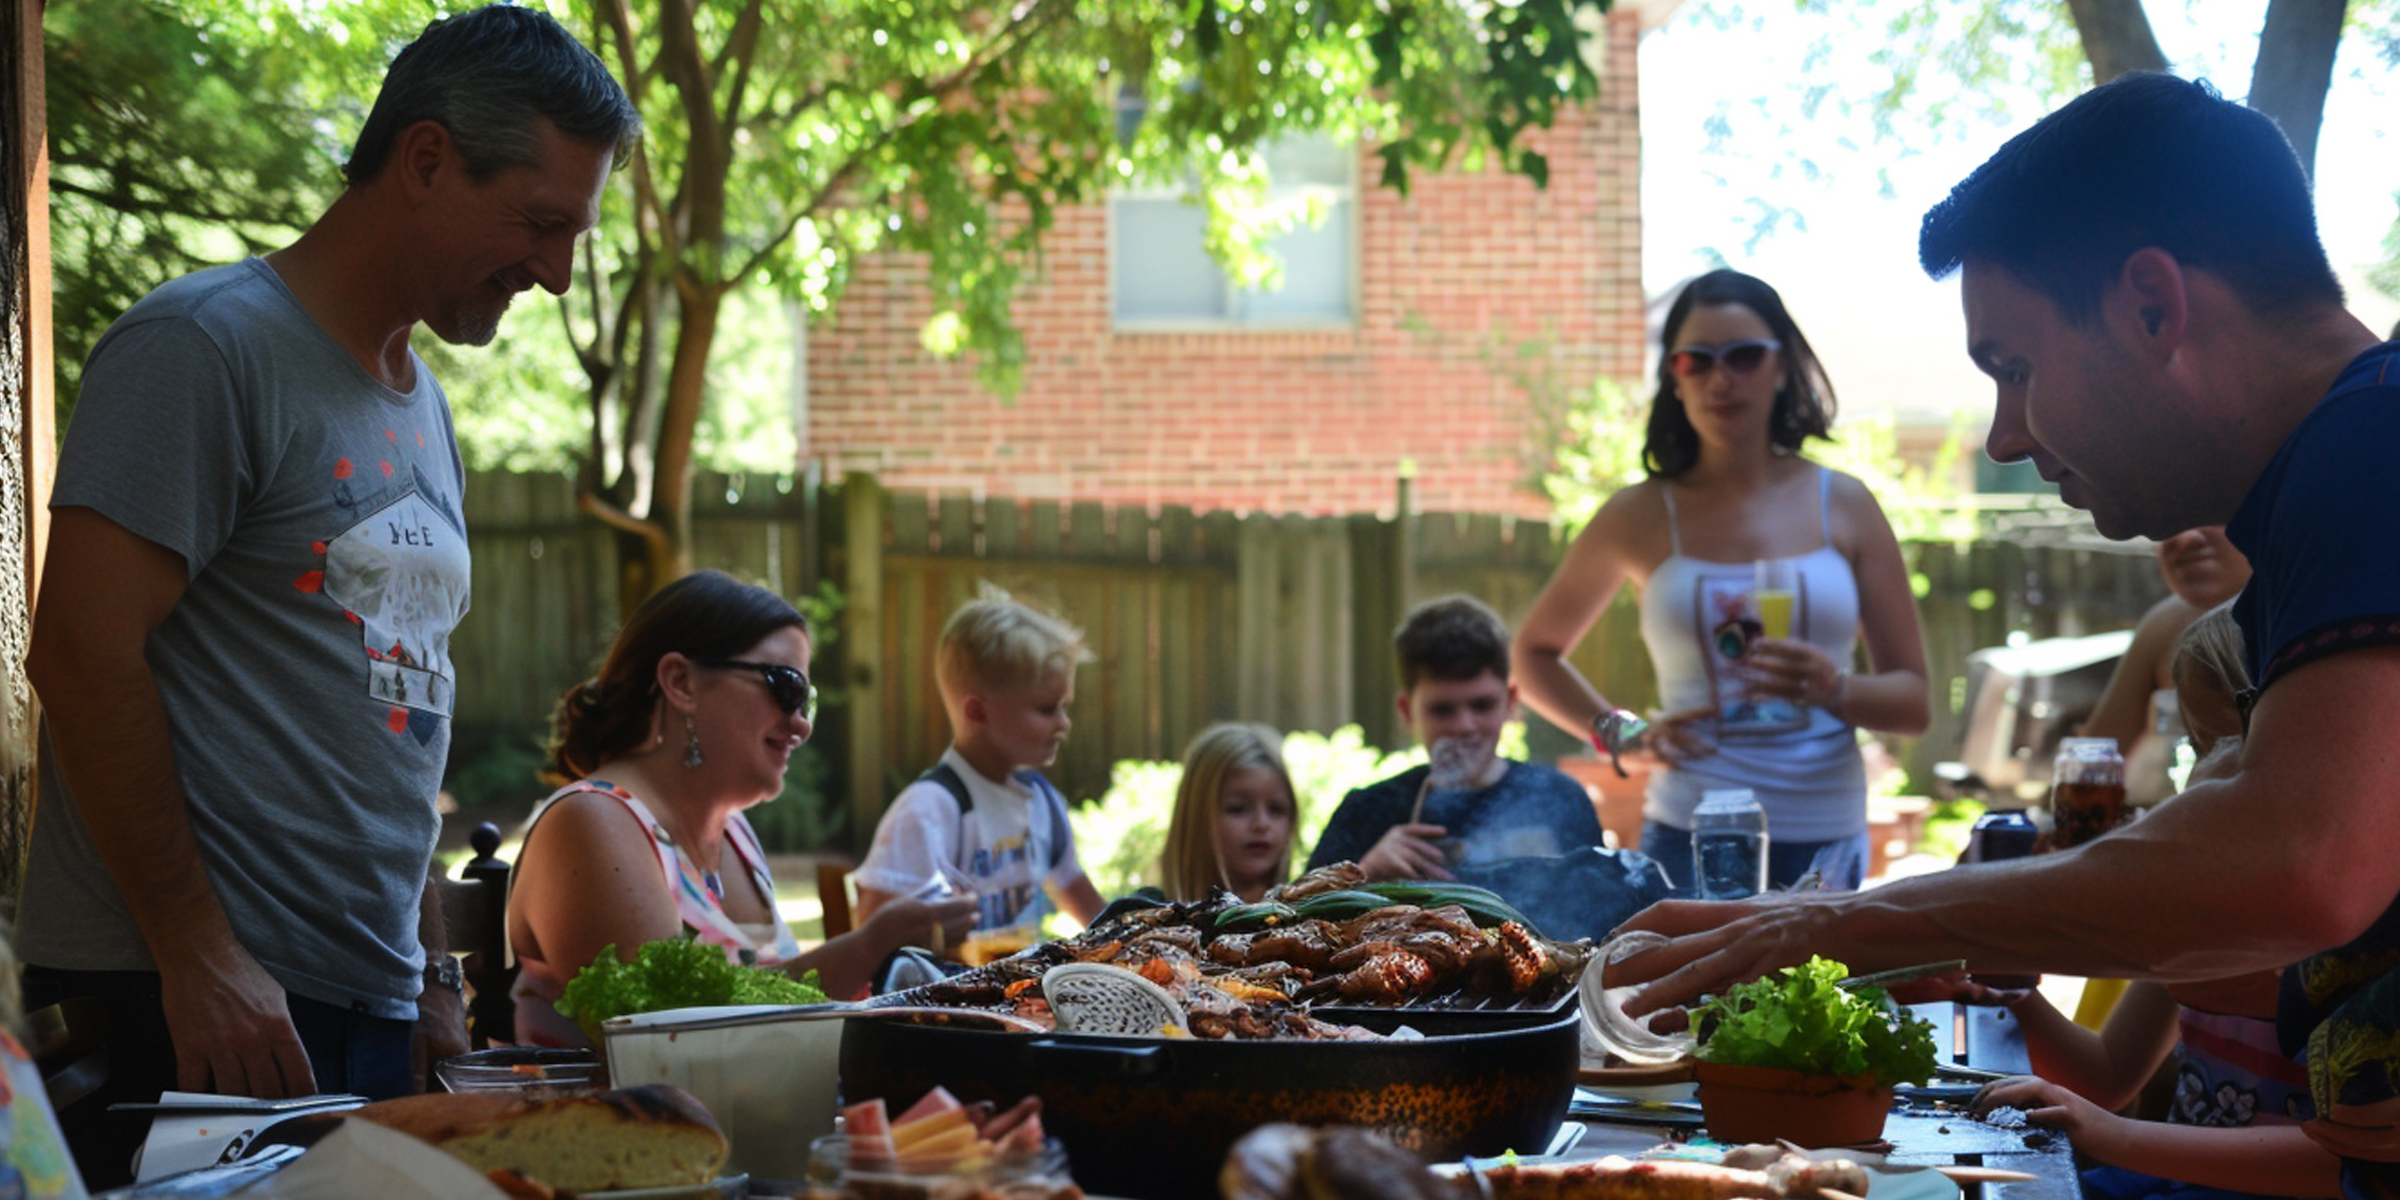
(1771, 592)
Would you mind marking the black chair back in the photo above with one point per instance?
(475, 907)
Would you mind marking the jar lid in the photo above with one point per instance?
(1726, 799)
(2087, 745)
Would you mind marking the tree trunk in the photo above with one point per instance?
(670, 557)
(2116, 37)
(2295, 67)
(26, 427)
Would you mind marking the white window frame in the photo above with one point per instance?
(1236, 321)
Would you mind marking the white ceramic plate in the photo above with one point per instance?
(1887, 1182)
(731, 1187)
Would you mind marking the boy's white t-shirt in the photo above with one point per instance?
(1002, 850)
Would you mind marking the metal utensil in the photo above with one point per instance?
(1483, 1186)
(1885, 979)
(1100, 998)
(236, 1104)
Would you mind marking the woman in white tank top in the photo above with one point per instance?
(1739, 391)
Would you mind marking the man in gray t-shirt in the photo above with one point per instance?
(256, 559)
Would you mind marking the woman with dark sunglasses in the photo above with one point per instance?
(1759, 695)
(692, 719)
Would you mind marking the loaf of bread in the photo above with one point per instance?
(651, 1136)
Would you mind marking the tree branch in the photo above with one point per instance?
(1000, 49)
(2116, 37)
(592, 505)
(2296, 46)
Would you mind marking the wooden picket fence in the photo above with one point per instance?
(1189, 617)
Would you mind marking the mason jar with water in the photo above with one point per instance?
(1729, 845)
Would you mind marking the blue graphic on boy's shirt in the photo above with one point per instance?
(1000, 906)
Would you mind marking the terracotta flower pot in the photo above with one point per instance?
(1761, 1104)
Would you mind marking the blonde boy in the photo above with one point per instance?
(983, 818)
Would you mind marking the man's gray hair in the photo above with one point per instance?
(485, 76)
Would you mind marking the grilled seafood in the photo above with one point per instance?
(1399, 920)
(1392, 977)
(1246, 983)
(1522, 954)
(1333, 877)
(1310, 945)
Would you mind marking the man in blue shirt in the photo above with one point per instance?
(1468, 806)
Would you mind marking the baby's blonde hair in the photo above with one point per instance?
(2208, 662)
(995, 640)
(1193, 862)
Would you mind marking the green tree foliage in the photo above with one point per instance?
(176, 142)
(788, 137)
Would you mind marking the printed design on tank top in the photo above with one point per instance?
(1726, 624)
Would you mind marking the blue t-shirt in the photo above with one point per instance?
(2322, 530)
(1532, 812)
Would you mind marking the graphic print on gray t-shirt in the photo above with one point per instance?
(405, 614)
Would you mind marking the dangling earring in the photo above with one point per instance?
(691, 744)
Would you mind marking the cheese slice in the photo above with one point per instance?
(908, 1138)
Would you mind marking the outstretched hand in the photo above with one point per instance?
(938, 924)
(1715, 944)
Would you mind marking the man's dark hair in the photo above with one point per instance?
(1803, 402)
(1453, 638)
(485, 75)
(2143, 160)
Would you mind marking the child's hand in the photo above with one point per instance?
(938, 925)
(1407, 852)
(2094, 1130)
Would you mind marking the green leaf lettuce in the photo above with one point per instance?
(674, 973)
(1801, 1019)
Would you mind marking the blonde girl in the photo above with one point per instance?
(1236, 818)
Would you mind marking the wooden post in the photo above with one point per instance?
(862, 651)
(25, 394)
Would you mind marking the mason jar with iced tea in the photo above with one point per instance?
(2087, 791)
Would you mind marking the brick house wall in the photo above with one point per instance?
(1483, 302)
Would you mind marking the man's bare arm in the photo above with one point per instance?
(104, 590)
(2298, 853)
(441, 1029)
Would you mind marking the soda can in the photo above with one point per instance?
(2001, 833)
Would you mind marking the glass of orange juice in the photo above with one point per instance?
(1772, 593)
(990, 945)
